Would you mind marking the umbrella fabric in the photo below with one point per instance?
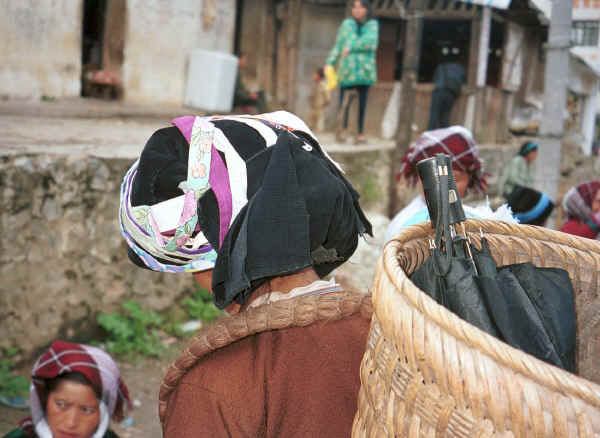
(551, 294)
(532, 307)
(528, 307)
(454, 285)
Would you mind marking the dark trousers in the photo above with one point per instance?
(363, 91)
(442, 100)
(260, 102)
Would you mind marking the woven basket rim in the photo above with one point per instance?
(523, 363)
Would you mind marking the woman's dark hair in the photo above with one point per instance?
(530, 206)
(527, 147)
(367, 5)
(72, 376)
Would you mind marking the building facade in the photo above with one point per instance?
(53, 48)
(585, 37)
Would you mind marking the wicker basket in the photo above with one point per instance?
(427, 373)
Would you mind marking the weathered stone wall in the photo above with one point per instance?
(160, 35)
(62, 257)
(40, 48)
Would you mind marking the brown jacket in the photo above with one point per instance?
(290, 382)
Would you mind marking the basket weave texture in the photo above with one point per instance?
(428, 373)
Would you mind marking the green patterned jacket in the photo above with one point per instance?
(359, 67)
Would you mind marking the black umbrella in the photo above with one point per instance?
(530, 308)
(449, 275)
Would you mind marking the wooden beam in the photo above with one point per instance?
(472, 75)
(410, 67)
(449, 15)
(482, 62)
(293, 47)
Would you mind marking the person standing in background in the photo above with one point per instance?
(448, 79)
(355, 48)
(319, 101)
(244, 97)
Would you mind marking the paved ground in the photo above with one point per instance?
(101, 128)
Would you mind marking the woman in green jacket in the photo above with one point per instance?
(519, 171)
(356, 46)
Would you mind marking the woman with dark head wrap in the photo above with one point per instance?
(519, 171)
(530, 206)
(259, 213)
(76, 389)
(582, 206)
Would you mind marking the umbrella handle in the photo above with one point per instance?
(437, 179)
(443, 217)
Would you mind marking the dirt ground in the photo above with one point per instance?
(142, 376)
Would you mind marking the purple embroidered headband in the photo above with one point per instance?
(168, 231)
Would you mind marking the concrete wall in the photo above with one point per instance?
(40, 48)
(319, 26)
(160, 35)
(62, 257)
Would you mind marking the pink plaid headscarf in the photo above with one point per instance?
(455, 141)
(98, 368)
(578, 201)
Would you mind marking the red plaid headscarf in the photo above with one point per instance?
(578, 200)
(95, 364)
(455, 141)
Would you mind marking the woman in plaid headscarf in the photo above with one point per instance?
(582, 205)
(76, 389)
(458, 143)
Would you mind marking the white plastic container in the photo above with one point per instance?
(211, 80)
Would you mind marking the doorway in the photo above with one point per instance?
(102, 48)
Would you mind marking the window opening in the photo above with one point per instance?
(443, 41)
(584, 33)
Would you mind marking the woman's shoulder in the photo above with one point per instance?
(518, 159)
(17, 433)
(348, 22)
(578, 228)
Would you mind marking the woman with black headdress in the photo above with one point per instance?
(256, 210)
